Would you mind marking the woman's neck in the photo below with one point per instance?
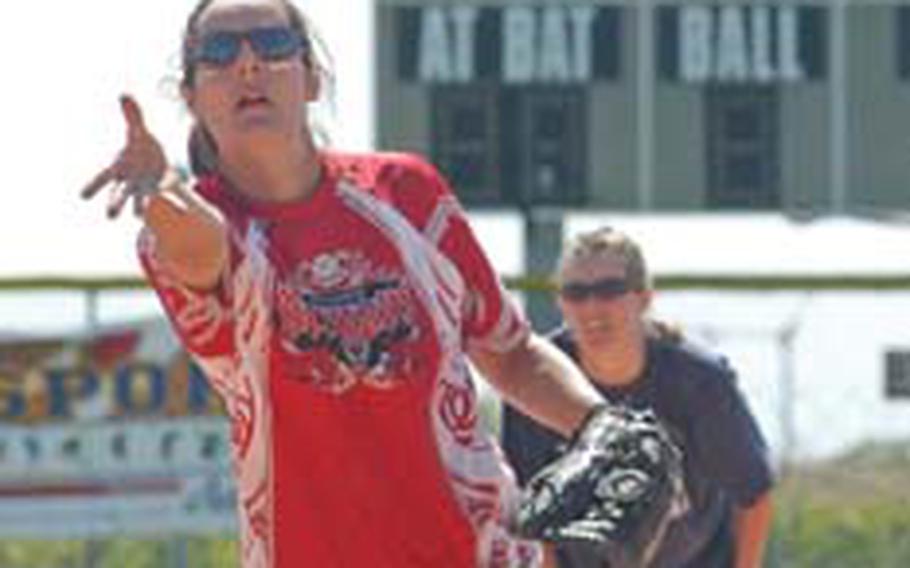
(618, 364)
(266, 173)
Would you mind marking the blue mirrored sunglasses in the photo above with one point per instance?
(221, 49)
(604, 289)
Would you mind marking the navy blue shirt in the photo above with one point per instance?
(725, 457)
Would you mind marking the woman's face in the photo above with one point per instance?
(602, 313)
(249, 99)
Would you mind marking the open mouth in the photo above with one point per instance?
(251, 102)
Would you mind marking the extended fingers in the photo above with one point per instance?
(117, 199)
(138, 204)
(116, 171)
(132, 112)
(106, 176)
(135, 172)
(140, 190)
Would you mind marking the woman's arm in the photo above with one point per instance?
(541, 381)
(753, 524)
(190, 234)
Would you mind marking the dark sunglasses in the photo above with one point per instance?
(605, 289)
(221, 49)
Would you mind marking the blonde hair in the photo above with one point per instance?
(607, 240)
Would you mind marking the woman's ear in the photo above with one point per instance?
(646, 298)
(312, 85)
(186, 93)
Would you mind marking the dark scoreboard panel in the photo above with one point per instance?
(704, 105)
(518, 44)
(578, 43)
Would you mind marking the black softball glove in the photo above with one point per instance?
(618, 486)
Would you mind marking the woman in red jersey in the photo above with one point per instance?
(333, 301)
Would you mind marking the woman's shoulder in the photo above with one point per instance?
(369, 168)
(696, 363)
(689, 378)
(406, 181)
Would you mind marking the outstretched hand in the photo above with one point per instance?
(137, 170)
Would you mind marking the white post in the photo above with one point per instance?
(92, 322)
(787, 418)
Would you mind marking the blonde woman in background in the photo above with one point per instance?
(604, 293)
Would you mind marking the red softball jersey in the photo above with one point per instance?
(336, 338)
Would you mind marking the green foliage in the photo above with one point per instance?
(853, 512)
(40, 554)
(119, 553)
(842, 537)
(213, 553)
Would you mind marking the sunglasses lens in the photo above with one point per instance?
(275, 43)
(221, 49)
(218, 49)
(572, 294)
(606, 289)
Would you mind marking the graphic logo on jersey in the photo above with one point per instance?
(458, 411)
(350, 320)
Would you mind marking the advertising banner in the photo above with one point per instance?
(116, 434)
